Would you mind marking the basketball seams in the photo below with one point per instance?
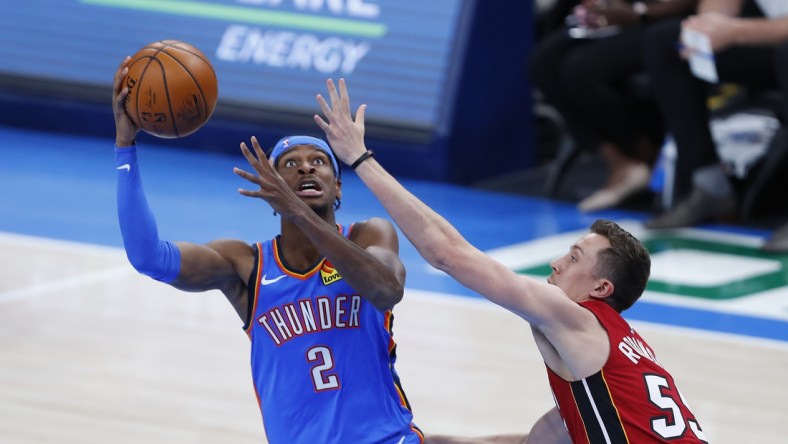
(197, 53)
(176, 47)
(136, 96)
(203, 97)
(166, 86)
(193, 52)
(163, 73)
(179, 73)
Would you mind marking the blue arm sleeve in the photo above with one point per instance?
(148, 254)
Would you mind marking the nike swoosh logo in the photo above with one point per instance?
(401, 440)
(125, 166)
(265, 281)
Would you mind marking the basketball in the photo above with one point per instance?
(172, 89)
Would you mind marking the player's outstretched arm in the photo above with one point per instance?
(434, 237)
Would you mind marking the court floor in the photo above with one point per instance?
(92, 352)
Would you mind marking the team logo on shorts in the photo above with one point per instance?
(329, 274)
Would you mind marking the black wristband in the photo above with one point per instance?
(362, 158)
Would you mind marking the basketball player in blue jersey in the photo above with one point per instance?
(316, 300)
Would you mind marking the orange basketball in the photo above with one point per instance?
(172, 89)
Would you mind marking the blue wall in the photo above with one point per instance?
(444, 80)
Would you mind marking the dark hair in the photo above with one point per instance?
(626, 264)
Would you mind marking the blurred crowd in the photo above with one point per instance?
(639, 83)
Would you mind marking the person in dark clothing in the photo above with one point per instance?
(749, 40)
(586, 73)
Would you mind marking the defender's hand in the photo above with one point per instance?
(344, 134)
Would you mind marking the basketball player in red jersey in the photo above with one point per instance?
(608, 384)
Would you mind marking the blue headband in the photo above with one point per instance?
(286, 143)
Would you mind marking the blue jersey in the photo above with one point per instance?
(322, 358)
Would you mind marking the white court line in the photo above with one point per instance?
(56, 244)
(69, 282)
(63, 284)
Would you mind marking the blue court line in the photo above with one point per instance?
(709, 320)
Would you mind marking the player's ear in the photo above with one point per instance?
(339, 188)
(602, 288)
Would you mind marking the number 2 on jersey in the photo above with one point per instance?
(321, 378)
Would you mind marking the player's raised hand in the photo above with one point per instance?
(344, 134)
(125, 130)
(272, 187)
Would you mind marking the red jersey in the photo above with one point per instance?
(633, 399)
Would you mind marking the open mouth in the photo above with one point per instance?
(309, 188)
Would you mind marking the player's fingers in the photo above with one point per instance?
(118, 80)
(119, 73)
(320, 122)
(258, 150)
(253, 178)
(332, 93)
(244, 174)
(344, 97)
(323, 105)
(248, 154)
(260, 158)
(118, 105)
(248, 193)
(360, 115)
(118, 98)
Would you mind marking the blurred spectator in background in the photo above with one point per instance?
(551, 15)
(585, 70)
(748, 45)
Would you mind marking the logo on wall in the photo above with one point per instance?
(326, 37)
